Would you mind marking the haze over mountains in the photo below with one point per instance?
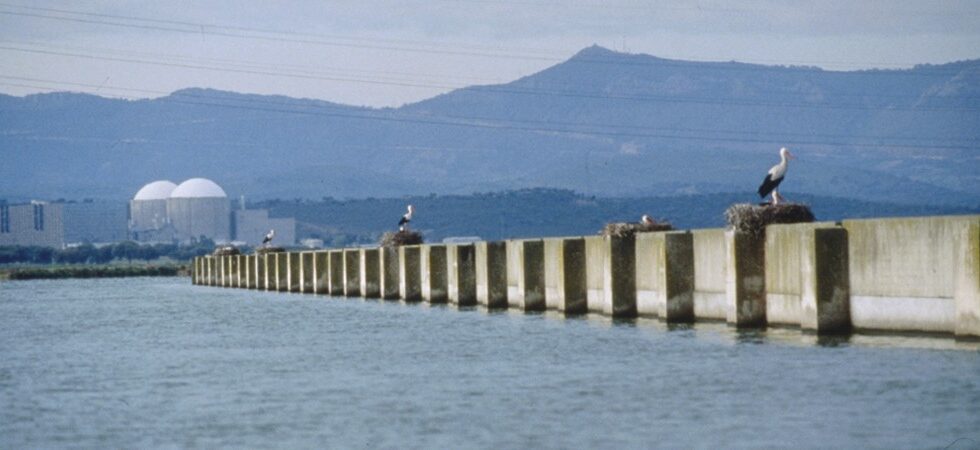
(602, 123)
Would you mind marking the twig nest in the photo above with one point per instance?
(226, 250)
(264, 250)
(630, 229)
(397, 239)
(752, 219)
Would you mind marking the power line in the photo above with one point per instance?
(591, 125)
(395, 45)
(493, 89)
(543, 127)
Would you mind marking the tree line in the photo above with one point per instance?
(90, 254)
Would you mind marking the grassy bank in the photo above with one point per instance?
(93, 271)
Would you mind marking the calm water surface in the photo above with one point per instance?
(156, 362)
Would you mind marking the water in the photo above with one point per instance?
(156, 362)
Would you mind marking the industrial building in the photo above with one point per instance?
(163, 211)
(251, 225)
(160, 212)
(57, 224)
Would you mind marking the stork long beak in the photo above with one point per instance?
(790, 155)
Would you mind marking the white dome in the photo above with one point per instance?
(198, 188)
(157, 190)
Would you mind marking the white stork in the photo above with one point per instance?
(406, 218)
(646, 220)
(775, 176)
(268, 237)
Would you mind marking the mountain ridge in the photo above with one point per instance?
(626, 125)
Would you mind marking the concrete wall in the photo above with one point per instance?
(337, 278)
(434, 273)
(784, 271)
(370, 266)
(352, 273)
(491, 274)
(903, 272)
(410, 273)
(295, 270)
(461, 280)
(710, 264)
(595, 257)
(525, 274)
(910, 274)
(388, 276)
(321, 272)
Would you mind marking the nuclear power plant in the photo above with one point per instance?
(199, 208)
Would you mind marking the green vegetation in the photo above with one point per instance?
(89, 254)
(93, 271)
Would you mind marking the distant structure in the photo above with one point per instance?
(251, 226)
(148, 220)
(199, 207)
(58, 224)
(160, 212)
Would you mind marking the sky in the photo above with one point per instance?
(385, 53)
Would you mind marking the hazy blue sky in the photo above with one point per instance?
(386, 52)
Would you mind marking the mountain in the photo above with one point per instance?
(602, 123)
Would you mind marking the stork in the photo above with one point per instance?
(775, 176)
(406, 218)
(268, 237)
(646, 220)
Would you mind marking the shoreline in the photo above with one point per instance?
(93, 271)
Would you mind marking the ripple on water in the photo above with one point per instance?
(156, 362)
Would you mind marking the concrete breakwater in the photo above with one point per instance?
(896, 275)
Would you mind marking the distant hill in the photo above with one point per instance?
(603, 123)
(541, 213)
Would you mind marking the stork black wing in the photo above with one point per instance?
(768, 185)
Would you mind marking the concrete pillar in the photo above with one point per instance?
(352, 273)
(321, 272)
(966, 284)
(295, 270)
(564, 275)
(282, 271)
(410, 273)
(222, 271)
(677, 273)
(370, 273)
(195, 267)
(745, 279)
(619, 277)
(237, 271)
(307, 279)
(595, 262)
(261, 272)
(337, 279)
(461, 262)
(243, 272)
(491, 274)
(250, 271)
(389, 273)
(825, 301)
(434, 274)
(525, 274)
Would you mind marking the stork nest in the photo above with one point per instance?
(226, 250)
(621, 229)
(397, 239)
(264, 250)
(752, 219)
